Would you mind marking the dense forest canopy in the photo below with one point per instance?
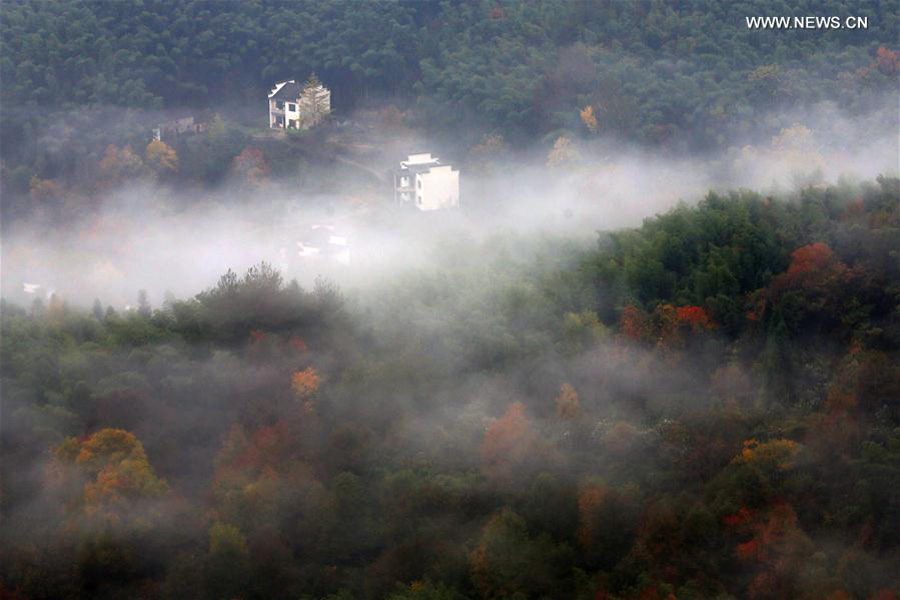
(653, 70)
(654, 355)
(705, 406)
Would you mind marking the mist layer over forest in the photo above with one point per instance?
(654, 354)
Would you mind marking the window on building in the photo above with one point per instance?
(279, 104)
(419, 183)
(292, 107)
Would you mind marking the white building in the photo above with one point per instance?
(298, 106)
(422, 181)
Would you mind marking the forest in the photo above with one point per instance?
(654, 355)
(679, 76)
(701, 407)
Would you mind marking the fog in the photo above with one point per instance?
(150, 237)
(425, 372)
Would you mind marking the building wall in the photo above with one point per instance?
(306, 111)
(285, 112)
(439, 188)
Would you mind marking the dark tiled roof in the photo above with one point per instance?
(290, 91)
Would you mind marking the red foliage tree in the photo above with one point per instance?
(815, 265)
(886, 61)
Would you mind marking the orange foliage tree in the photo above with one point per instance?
(305, 384)
(508, 443)
(588, 118)
(116, 474)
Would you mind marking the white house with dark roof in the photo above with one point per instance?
(422, 181)
(298, 106)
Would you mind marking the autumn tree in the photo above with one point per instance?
(564, 153)
(250, 167)
(886, 61)
(305, 384)
(161, 158)
(814, 289)
(120, 164)
(588, 118)
(634, 323)
(779, 550)
(508, 443)
(116, 475)
(675, 325)
(812, 266)
(567, 405)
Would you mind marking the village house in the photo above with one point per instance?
(169, 130)
(298, 106)
(422, 181)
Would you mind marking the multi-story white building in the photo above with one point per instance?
(422, 181)
(298, 106)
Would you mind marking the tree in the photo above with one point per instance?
(508, 443)
(161, 158)
(567, 405)
(305, 384)
(634, 323)
(588, 118)
(120, 164)
(563, 154)
(143, 304)
(607, 520)
(97, 309)
(508, 563)
(117, 475)
(250, 167)
(227, 567)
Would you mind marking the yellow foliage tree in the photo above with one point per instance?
(120, 163)
(116, 473)
(567, 405)
(563, 153)
(161, 157)
(775, 455)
